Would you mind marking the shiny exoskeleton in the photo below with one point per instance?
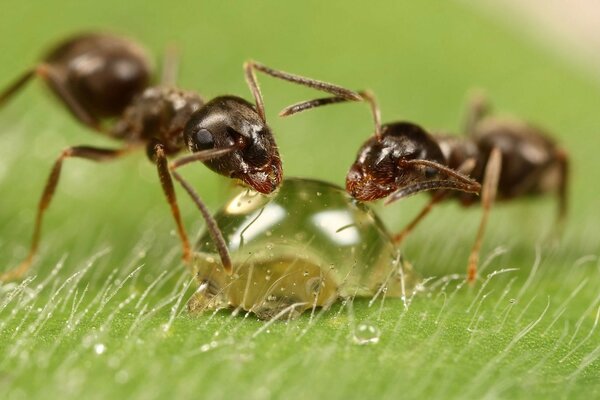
(503, 158)
(104, 81)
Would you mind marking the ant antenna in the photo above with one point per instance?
(462, 182)
(365, 95)
(250, 67)
(370, 98)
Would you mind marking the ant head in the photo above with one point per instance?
(228, 121)
(382, 167)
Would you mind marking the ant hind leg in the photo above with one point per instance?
(86, 152)
(488, 195)
(52, 79)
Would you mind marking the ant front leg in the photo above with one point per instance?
(488, 195)
(85, 152)
(165, 171)
(52, 79)
(167, 184)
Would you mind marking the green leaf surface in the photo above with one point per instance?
(103, 313)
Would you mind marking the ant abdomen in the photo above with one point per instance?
(102, 72)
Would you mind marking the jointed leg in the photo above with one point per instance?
(488, 195)
(15, 86)
(165, 171)
(251, 66)
(477, 108)
(86, 152)
(437, 197)
(170, 66)
(563, 195)
(52, 79)
(167, 185)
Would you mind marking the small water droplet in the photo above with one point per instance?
(305, 273)
(99, 348)
(205, 347)
(319, 194)
(365, 333)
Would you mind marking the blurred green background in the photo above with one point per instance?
(421, 59)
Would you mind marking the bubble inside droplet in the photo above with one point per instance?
(366, 333)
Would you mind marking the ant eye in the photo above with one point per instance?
(202, 140)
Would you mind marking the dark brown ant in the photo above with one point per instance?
(104, 81)
(509, 158)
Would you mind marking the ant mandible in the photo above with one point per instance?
(105, 83)
(505, 158)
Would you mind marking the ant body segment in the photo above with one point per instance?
(104, 81)
(506, 159)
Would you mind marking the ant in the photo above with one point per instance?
(505, 158)
(104, 81)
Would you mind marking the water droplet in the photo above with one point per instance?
(205, 347)
(99, 348)
(365, 333)
(319, 194)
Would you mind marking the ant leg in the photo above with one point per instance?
(488, 195)
(167, 185)
(251, 66)
(170, 66)
(52, 79)
(437, 197)
(465, 168)
(478, 107)
(16, 86)
(211, 224)
(86, 152)
(563, 160)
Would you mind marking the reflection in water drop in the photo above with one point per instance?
(304, 246)
(366, 333)
(99, 348)
(338, 227)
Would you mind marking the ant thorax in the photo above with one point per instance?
(158, 113)
(457, 150)
(305, 246)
